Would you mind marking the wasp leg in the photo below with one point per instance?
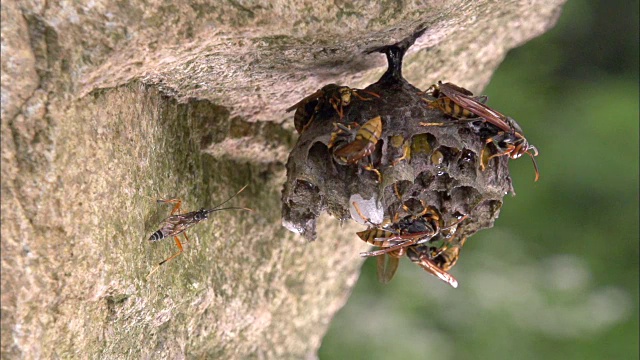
(397, 191)
(367, 220)
(451, 122)
(355, 93)
(396, 216)
(535, 164)
(332, 141)
(424, 211)
(337, 107)
(430, 91)
(483, 162)
(345, 128)
(455, 223)
(176, 207)
(371, 168)
(508, 151)
(362, 216)
(405, 154)
(306, 126)
(180, 250)
(448, 123)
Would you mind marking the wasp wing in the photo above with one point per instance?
(387, 266)
(177, 224)
(490, 115)
(315, 96)
(455, 87)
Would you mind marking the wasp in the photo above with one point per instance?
(410, 230)
(307, 108)
(386, 263)
(357, 146)
(447, 105)
(410, 235)
(446, 258)
(366, 138)
(509, 141)
(177, 224)
(338, 97)
(427, 257)
(422, 255)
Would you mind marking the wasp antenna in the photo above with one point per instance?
(147, 196)
(357, 208)
(228, 208)
(457, 222)
(234, 195)
(153, 271)
(535, 164)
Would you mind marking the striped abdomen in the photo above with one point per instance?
(449, 107)
(371, 235)
(366, 139)
(176, 224)
(158, 235)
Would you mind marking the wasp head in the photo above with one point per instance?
(515, 127)
(201, 214)
(345, 95)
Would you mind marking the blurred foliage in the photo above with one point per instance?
(557, 277)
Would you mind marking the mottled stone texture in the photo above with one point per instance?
(108, 105)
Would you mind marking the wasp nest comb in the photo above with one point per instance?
(422, 171)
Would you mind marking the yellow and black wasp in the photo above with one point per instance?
(459, 103)
(339, 97)
(349, 146)
(395, 239)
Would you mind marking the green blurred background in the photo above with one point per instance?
(557, 277)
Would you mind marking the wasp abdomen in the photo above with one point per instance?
(158, 235)
(371, 235)
(364, 144)
(452, 109)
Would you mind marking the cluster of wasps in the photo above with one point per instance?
(419, 232)
(366, 141)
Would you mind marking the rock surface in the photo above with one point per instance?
(107, 106)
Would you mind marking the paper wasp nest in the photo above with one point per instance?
(339, 160)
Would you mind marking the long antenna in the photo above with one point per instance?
(215, 208)
(227, 208)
